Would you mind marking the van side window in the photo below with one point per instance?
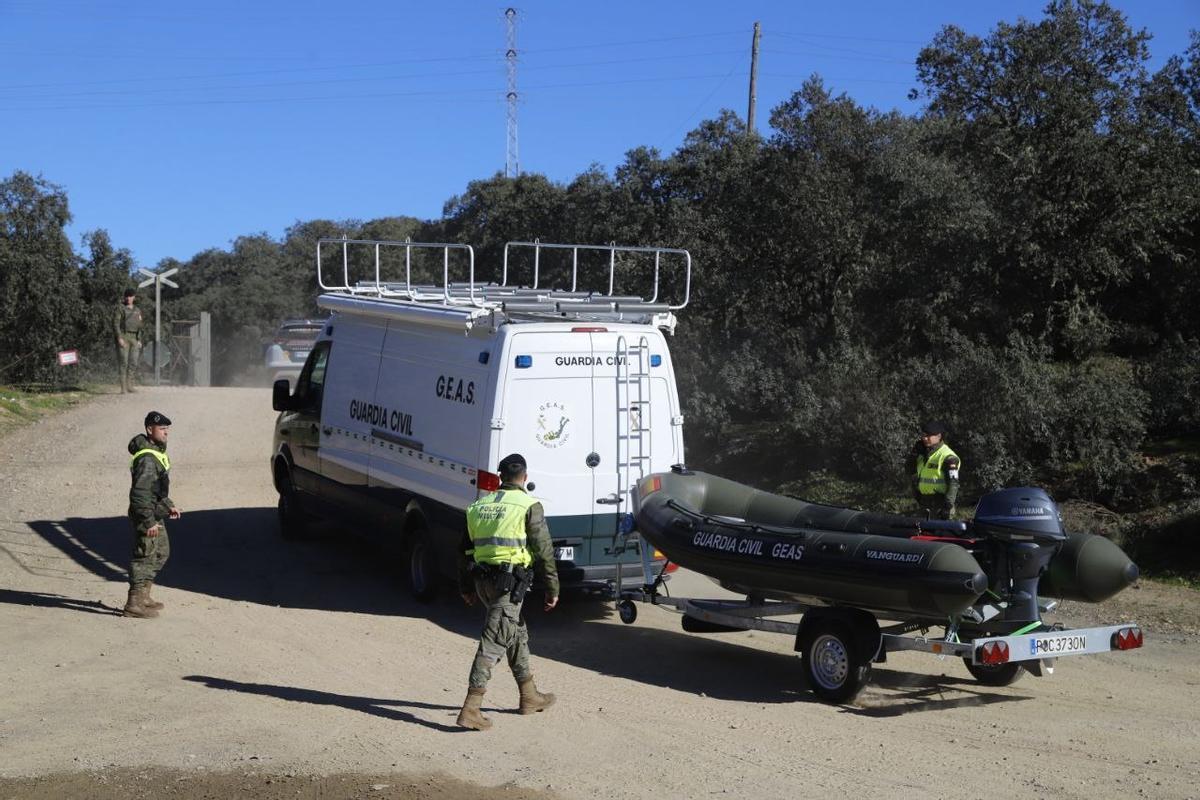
(311, 384)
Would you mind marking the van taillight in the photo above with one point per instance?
(588, 329)
(487, 481)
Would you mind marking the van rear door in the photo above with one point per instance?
(547, 405)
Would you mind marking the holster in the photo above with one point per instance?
(508, 579)
(524, 580)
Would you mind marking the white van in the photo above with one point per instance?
(412, 395)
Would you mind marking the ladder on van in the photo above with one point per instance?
(635, 426)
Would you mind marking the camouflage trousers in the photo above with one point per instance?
(504, 635)
(149, 555)
(127, 363)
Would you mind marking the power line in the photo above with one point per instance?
(365, 96)
(221, 59)
(254, 73)
(686, 120)
(365, 79)
(874, 59)
(835, 78)
(815, 35)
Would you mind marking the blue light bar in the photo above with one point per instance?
(524, 362)
(656, 360)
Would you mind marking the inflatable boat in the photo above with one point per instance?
(992, 569)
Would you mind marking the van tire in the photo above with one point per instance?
(293, 523)
(422, 570)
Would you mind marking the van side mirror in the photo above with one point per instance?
(281, 395)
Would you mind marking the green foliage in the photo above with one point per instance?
(104, 276)
(39, 281)
(1171, 378)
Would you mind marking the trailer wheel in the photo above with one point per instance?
(995, 674)
(627, 611)
(422, 574)
(836, 670)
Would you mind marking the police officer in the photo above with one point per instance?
(506, 537)
(935, 483)
(127, 325)
(150, 506)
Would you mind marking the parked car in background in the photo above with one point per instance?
(293, 342)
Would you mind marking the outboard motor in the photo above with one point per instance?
(1024, 532)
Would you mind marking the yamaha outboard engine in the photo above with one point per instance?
(1023, 532)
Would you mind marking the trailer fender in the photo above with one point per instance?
(868, 637)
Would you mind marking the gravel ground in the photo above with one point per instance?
(302, 669)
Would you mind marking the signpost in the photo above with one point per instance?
(158, 279)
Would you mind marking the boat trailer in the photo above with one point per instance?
(838, 644)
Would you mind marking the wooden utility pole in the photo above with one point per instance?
(753, 78)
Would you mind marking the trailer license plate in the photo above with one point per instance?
(564, 554)
(1057, 645)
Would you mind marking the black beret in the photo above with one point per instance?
(155, 418)
(130, 293)
(933, 428)
(512, 464)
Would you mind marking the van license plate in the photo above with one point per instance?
(564, 554)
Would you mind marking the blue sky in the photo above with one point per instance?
(178, 127)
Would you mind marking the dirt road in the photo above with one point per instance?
(275, 662)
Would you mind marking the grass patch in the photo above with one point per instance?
(23, 405)
(1170, 579)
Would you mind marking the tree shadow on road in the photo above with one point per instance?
(376, 706)
(47, 600)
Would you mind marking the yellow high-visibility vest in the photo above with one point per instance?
(158, 454)
(496, 525)
(930, 478)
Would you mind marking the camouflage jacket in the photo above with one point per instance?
(149, 500)
(127, 322)
(537, 541)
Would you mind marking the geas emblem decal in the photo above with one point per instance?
(552, 422)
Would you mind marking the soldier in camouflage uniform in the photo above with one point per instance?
(507, 538)
(127, 326)
(150, 506)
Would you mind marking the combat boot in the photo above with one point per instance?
(150, 602)
(533, 701)
(136, 606)
(471, 715)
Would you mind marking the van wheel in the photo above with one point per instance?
(293, 523)
(836, 670)
(422, 573)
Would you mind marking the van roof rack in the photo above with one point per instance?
(470, 303)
